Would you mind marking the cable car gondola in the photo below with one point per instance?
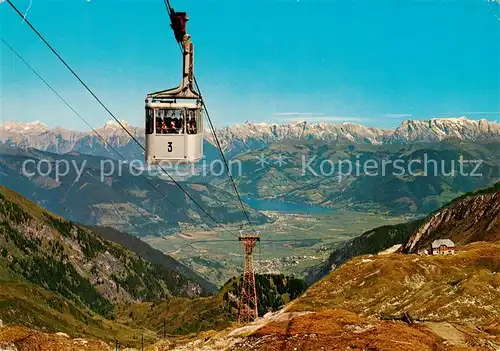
(174, 117)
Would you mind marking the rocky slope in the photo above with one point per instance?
(473, 217)
(455, 300)
(152, 255)
(242, 137)
(381, 302)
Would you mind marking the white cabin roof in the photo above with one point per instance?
(446, 242)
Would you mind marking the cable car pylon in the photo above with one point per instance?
(248, 304)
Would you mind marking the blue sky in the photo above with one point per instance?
(366, 61)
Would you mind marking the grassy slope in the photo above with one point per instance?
(25, 303)
(462, 288)
(30, 305)
(369, 242)
(38, 291)
(340, 330)
(23, 339)
(184, 316)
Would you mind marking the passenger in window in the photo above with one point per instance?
(179, 126)
(158, 125)
(193, 124)
(163, 128)
(172, 129)
(191, 128)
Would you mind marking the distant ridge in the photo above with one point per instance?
(240, 137)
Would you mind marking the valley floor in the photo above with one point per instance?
(290, 245)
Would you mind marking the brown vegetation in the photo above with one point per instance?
(23, 339)
(460, 288)
(333, 329)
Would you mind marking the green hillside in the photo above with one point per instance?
(58, 276)
(185, 316)
(44, 249)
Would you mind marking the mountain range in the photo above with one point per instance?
(447, 142)
(238, 138)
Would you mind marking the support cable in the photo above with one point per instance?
(108, 111)
(245, 212)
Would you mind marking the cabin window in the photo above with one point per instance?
(170, 122)
(194, 121)
(192, 126)
(149, 121)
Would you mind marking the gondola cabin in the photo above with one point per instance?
(174, 118)
(174, 132)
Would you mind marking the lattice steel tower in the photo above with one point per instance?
(248, 298)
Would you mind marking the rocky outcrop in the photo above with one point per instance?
(466, 220)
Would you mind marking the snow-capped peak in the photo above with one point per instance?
(24, 127)
(112, 124)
